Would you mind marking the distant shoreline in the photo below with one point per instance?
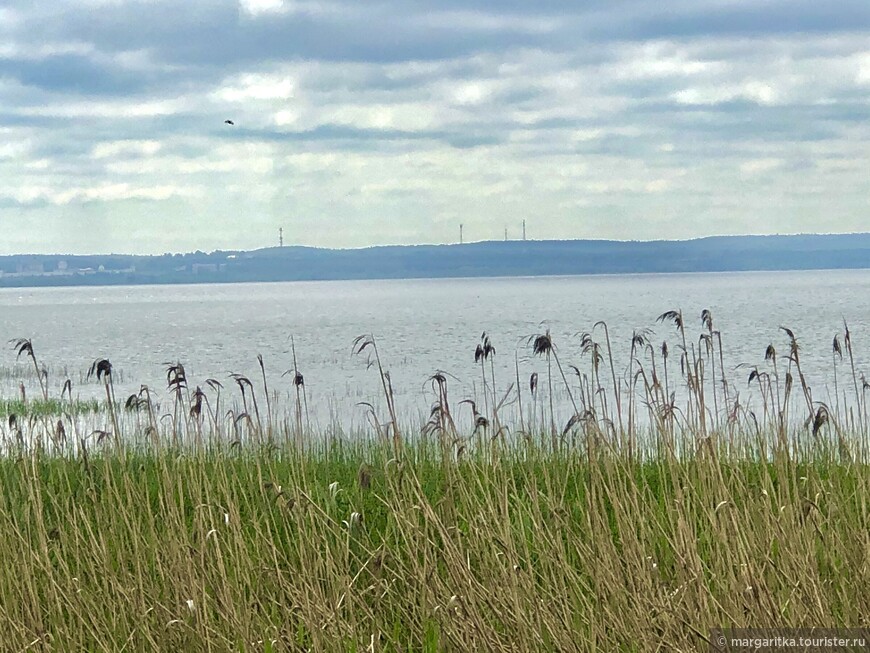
(486, 259)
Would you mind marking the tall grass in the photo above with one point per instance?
(346, 548)
(663, 508)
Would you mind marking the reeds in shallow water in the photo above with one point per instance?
(663, 506)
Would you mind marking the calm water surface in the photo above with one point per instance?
(421, 326)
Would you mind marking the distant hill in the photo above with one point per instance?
(483, 259)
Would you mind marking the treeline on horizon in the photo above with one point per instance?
(480, 259)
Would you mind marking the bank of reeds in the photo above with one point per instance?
(662, 508)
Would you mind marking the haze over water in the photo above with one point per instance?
(421, 326)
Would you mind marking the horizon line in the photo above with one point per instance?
(451, 244)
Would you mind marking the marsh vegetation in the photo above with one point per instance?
(217, 517)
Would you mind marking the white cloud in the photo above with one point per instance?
(759, 166)
(14, 149)
(257, 87)
(9, 18)
(658, 186)
(406, 116)
(472, 93)
(33, 51)
(106, 109)
(111, 149)
(37, 164)
(257, 7)
(101, 192)
(583, 135)
(662, 59)
(863, 66)
(755, 91)
(487, 22)
(286, 117)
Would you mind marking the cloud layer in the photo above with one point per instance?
(395, 121)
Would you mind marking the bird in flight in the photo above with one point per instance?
(229, 122)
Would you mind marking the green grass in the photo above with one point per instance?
(668, 505)
(49, 408)
(518, 549)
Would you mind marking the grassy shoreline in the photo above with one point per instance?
(347, 548)
(665, 505)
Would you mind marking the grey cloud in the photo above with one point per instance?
(775, 18)
(354, 138)
(214, 34)
(459, 108)
(12, 203)
(11, 119)
(71, 73)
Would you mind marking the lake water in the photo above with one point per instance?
(421, 326)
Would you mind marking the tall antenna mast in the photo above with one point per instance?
(524, 229)
(460, 233)
(281, 237)
(505, 234)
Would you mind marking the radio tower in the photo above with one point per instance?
(460, 234)
(281, 237)
(524, 229)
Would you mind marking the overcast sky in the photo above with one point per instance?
(363, 122)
